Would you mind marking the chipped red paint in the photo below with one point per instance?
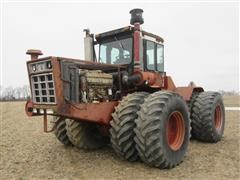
(136, 43)
(92, 112)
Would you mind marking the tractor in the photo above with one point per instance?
(121, 96)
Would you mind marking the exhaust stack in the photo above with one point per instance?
(88, 46)
(136, 20)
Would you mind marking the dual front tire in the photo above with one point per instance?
(159, 131)
(123, 124)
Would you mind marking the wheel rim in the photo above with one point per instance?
(218, 117)
(175, 130)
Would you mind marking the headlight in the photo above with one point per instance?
(49, 65)
(34, 68)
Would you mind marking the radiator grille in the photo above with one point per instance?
(43, 90)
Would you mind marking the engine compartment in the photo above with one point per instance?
(95, 86)
(88, 83)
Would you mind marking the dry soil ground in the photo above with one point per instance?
(28, 153)
(231, 101)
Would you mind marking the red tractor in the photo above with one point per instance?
(122, 96)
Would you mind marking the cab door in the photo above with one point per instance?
(153, 56)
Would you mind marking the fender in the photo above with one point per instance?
(186, 92)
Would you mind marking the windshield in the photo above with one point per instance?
(118, 51)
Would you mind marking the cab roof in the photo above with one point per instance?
(125, 30)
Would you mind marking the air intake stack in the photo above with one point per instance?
(136, 16)
(136, 21)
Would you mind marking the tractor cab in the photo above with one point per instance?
(117, 47)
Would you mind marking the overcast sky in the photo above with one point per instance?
(201, 39)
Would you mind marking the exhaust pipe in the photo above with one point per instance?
(136, 20)
(88, 46)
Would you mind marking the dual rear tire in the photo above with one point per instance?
(207, 117)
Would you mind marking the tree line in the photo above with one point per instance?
(229, 93)
(14, 93)
(23, 93)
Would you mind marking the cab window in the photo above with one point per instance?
(116, 51)
(150, 55)
(160, 60)
(154, 59)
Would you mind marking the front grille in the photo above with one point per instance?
(43, 91)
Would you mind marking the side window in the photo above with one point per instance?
(103, 54)
(150, 55)
(114, 55)
(160, 60)
(126, 54)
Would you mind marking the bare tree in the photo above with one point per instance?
(18, 93)
(1, 92)
(25, 91)
(8, 93)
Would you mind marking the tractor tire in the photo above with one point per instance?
(192, 100)
(123, 124)
(208, 117)
(84, 135)
(190, 109)
(61, 132)
(162, 130)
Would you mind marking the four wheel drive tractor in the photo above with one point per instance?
(123, 96)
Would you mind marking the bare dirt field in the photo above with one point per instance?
(26, 152)
(231, 101)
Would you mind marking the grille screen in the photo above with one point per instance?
(43, 88)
